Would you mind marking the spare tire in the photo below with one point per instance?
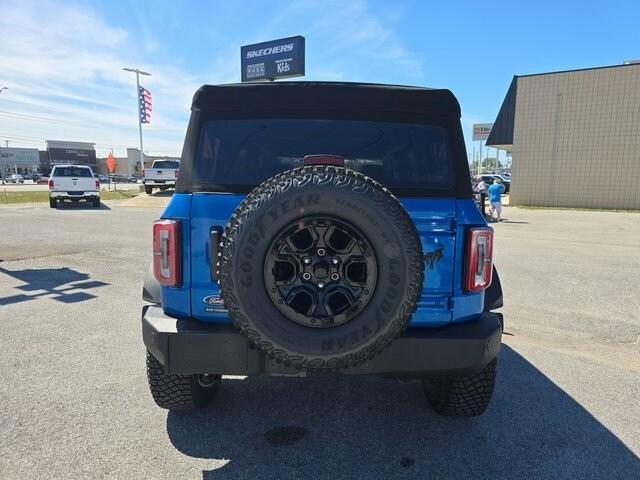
(321, 267)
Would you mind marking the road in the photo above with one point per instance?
(75, 404)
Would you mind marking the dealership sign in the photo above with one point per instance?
(481, 131)
(274, 59)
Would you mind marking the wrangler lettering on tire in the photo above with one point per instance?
(321, 267)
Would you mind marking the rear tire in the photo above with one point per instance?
(148, 190)
(178, 392)
(462, 396)
(53, 203)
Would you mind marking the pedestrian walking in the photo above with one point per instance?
(481, 188)
(495, 199)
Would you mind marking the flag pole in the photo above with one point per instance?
(139, 122)
(138, 73)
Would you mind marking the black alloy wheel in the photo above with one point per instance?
(320, 271)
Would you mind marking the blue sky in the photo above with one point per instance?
(62, 60)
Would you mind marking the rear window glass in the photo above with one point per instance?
(166, 164)
(399, 155)
(72, 172)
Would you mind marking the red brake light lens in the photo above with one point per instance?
(335, 160)
(167, 252)
(176, 173)
(50, 184)
(98, 184)
(479, 255)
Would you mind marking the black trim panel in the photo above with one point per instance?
(186, 346)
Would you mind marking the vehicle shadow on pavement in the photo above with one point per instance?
(368, 427)
(61, 284)
(81, 206)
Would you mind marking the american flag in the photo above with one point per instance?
(144, 105)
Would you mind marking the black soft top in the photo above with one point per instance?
(368, 102)
(337, 96)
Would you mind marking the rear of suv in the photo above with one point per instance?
(323, 227)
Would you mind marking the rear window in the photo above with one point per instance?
(166, 164)
(399, 155)
(71, 172)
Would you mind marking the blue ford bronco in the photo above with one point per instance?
(323, 227)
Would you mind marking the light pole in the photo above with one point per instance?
(3, 89)
(138, 73)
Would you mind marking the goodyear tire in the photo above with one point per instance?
(321, 223)
(179, 392)
(462, 396)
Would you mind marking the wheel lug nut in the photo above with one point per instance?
(306, 260)
(335, 276)
(320, 285)
(306, 276)
(321, 252)
(334, 261)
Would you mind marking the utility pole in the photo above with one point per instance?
(138, 73)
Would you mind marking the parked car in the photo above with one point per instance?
(15, 178)
(162, 175)
(274, 257)
(42, 180)
(490, 177)
(73, 183)
(103, 178)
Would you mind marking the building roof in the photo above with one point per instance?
(621, 65)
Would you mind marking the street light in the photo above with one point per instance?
(3, 88)
(138, 73)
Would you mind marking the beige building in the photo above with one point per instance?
(574, 137)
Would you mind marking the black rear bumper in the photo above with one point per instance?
(185, 346)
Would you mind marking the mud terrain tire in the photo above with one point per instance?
(303, 195)
(462, 396)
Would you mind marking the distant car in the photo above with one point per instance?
(74, 183)
(103, 178)
(15, 178)
(162, 175)
(42, 180)
(34, 177)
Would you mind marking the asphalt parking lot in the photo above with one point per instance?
(75, 403)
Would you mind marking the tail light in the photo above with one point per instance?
(176, 173)
(479, 255)
(50, 184)
(335, 160)
(98, 184)
(167, 252)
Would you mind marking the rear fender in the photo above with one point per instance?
(151, 291)
(493, 293)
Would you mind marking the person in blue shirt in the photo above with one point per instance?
(495, 199)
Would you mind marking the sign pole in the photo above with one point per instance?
(139, 121)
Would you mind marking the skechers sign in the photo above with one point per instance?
(274, 59)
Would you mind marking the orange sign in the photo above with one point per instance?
(111, 163)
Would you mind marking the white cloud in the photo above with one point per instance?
(70, 74)
(72, 78)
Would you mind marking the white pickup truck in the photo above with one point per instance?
(162, 175)
(75, 183)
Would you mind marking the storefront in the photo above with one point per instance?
(77, 153)
(24, 161)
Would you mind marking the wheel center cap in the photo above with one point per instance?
(321, 270)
